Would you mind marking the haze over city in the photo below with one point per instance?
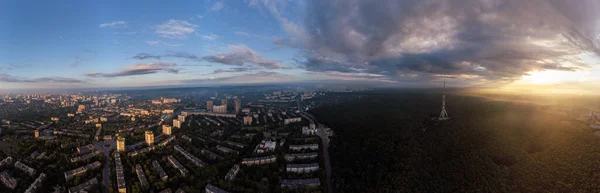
(545, 45)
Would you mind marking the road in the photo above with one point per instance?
(100, 146)
(325, 139)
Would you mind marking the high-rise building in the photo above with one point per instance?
(81, 108)
(220, 109)
(209, 105)
(238, 105)
(149, 135)
(224, 103)
(247, 120)
(176, 123)
(120, 144)
(36, 133)
(166, 129)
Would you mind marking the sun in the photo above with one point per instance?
(541, 77)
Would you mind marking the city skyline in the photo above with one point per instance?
(545, 45)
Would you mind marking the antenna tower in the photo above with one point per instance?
(444, 114)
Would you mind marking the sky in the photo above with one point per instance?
(552, 45)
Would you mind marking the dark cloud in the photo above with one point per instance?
(143, 56)
(490, 39)
(184, 55)
(238, 69)
(12, 79)
(240, 55)
(139, 69)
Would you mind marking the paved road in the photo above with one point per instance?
(325, 139)
(106, 169)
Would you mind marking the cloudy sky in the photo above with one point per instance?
(401, 43)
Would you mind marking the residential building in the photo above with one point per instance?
(186, 138)
(166, 141)
(181, 118)
(226, 150)
(120, 144)
(292, 120)
(236, 144)
(141, 176)
(232, 172)
(8, 180)
(259, 160)
(197, 162)
(81, 108)
(36, 184)
(36, 133)
(211, 154)
(177, 165)
(313, 146)
(309, 130)
(81, 170)
(209, 106)
(302, 168)
(224, 103)
(296, 183)
(25, 168)
(161, 173)
(247, 120)
(166, 129)
(213, 189)
(292, 157)
(149, 136)
(81, 188)
(54, 118)
(7, 160)
(85, 157)
(166, 191)
(177, 123)
(121, 185)
(238, 105)
(220, 109)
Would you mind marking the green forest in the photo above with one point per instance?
(386, 142)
